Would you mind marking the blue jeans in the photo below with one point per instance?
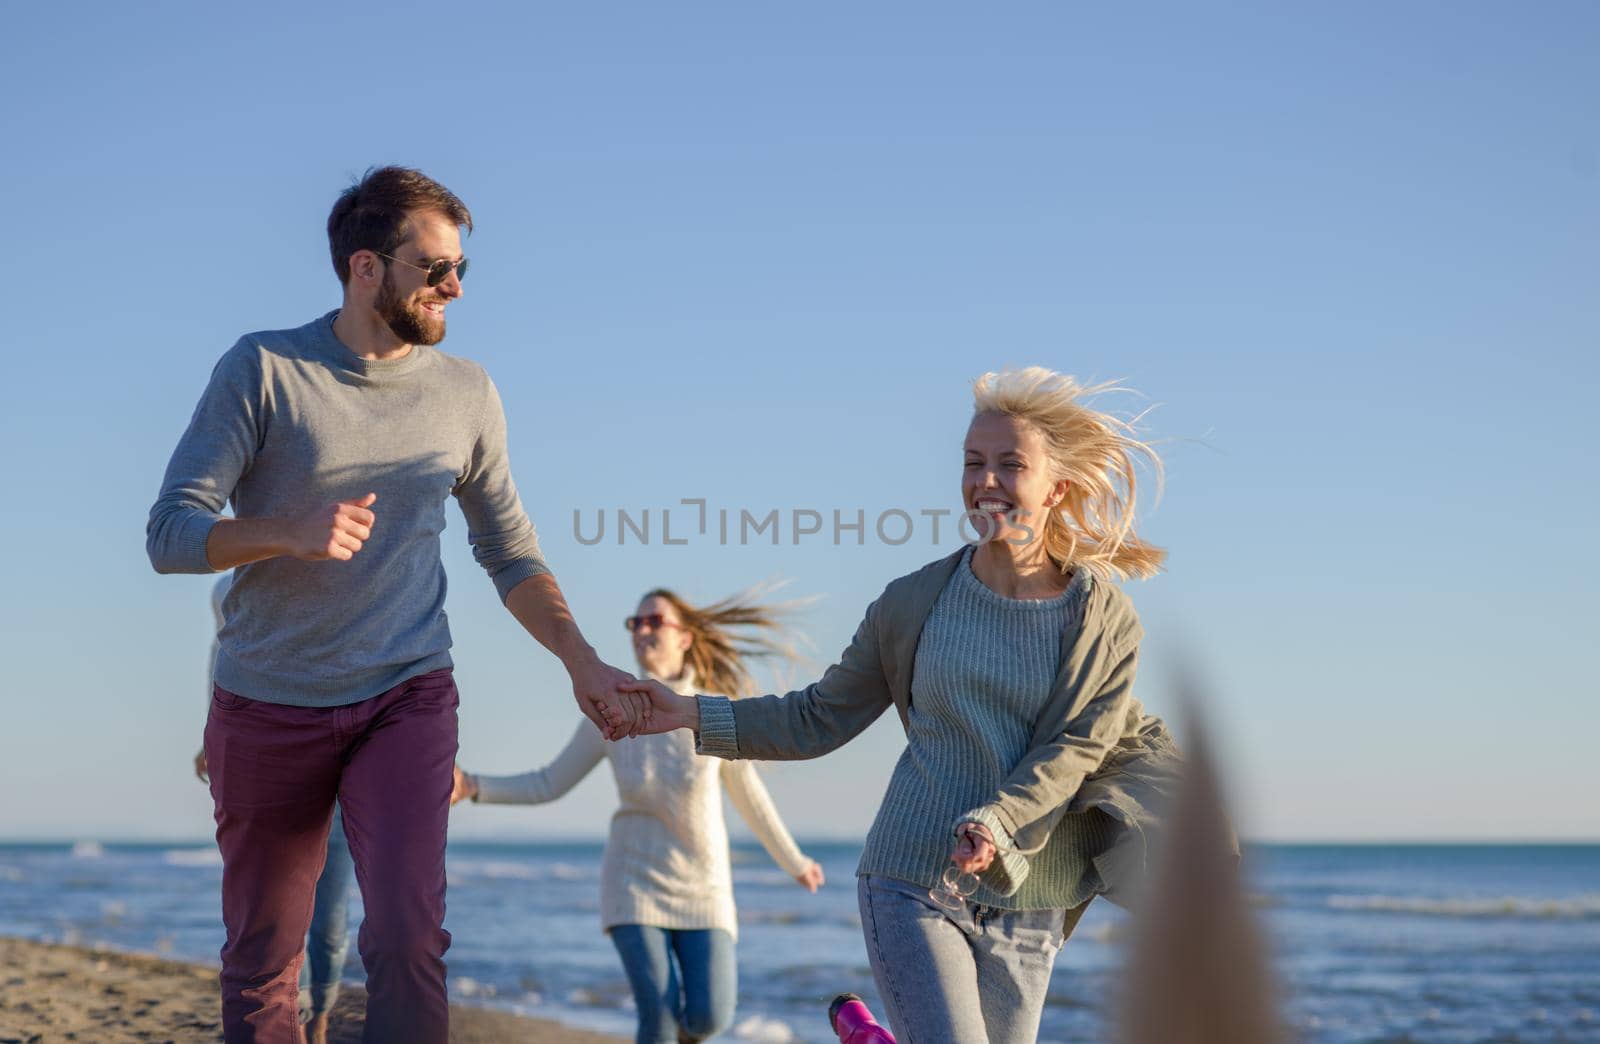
(975, 975)
(686, 999)
(328, 942)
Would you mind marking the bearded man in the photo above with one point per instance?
(337, 444)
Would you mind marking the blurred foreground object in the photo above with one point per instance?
(1198, 971)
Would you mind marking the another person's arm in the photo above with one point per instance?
(749, 796)
(219, 590)
(581, 754)
(807, 723)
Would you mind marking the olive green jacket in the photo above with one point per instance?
(1093, 746)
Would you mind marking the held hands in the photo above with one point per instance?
(974, 849)
(811, 879)
(333, 531)
(608, 698)
(665, 709)
(464, 787)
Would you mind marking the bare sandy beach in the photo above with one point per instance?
(65, 993)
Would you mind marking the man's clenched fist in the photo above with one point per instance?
(334, 531)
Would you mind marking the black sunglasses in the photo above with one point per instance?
(438, 271)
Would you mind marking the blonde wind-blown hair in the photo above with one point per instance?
(1092, 527)
(720, 657)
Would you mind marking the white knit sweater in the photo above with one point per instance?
(666, 860)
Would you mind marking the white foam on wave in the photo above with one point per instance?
(192, 856)
(765, 1030)
(466, 986)
(499, 870)
(510, 870)
(1576, 908)
(87, 850)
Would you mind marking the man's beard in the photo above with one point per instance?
(409, 323)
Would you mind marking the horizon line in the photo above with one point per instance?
(509, 839)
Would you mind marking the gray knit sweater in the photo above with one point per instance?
(984, 669)
(291, 420)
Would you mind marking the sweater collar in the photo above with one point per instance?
(335, 351)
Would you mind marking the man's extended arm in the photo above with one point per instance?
(541, 609)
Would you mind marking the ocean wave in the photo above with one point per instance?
(755, 915)
(1107, 932)
(507, 870)
(87, 850)
(765, 1030)
(463, 869)
(1577, 908)
(211, 856)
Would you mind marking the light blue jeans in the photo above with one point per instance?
(975, 975)
(328, 942)
(685, 982)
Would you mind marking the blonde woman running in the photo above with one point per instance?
(666, 891)
(1030, 769)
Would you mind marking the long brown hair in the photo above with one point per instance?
(731, 633)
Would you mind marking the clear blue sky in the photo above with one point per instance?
(757, 253)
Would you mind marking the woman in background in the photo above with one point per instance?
(666, 891)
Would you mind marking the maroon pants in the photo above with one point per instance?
(275, 772)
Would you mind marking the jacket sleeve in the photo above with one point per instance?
(809, 722)
(750, 797)
(581, 754)
(1035, 795)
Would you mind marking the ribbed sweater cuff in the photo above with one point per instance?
(719, 731)
(189, 547)
(516, 572)
(1013, 868)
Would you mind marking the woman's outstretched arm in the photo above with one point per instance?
(750, 797)
(581, 754)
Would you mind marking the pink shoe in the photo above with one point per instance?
(854, 1023)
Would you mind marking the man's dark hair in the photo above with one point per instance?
(371, 214)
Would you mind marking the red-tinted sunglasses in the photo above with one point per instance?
(653, 621)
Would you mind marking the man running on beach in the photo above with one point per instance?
(337, 444)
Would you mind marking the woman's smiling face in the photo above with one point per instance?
(1006, 478)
